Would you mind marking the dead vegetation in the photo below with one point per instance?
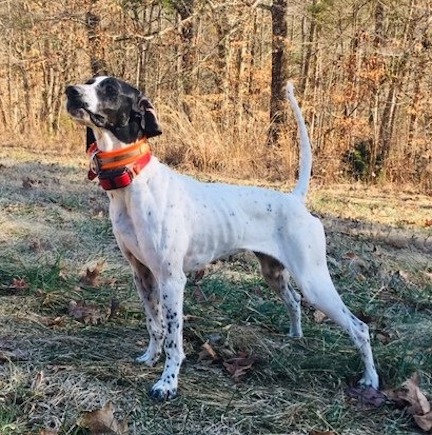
(71, 323)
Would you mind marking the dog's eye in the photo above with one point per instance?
(110, 90)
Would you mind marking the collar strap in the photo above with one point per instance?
(117, 169)
(109, 160)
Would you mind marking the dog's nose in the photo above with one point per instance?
(72, 92)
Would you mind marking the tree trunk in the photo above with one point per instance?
(306, 66)
(97, 59)
(185, 8)
(279, 70)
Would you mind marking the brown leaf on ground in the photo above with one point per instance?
(19, 284)
(383, 337)
(424, 422)
(415, 397)
(207, 353)
(415, 400)
(92, 276)
(238, 366)
(87, 313)
(50, 321)
(48, 432)
(103, 421)
(366, 397)
(319, 316)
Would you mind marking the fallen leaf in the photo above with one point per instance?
(415, 400)
(384, 337)
(48, 432)
(428, 223)
(207, 352)
(418, 401)
(319, 316)
(238, 366)
(92, 276)
(49, 321)
(367, 397)
(86, 313)
(19, 284)
(424, 421)
(103, 421)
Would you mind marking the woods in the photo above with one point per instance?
(215, 71)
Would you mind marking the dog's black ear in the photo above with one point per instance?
(90, 138)
(149, 120)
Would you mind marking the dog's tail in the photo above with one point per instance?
(305, 167)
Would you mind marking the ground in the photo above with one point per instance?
(71, 322)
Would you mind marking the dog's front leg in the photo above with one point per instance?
(149, 294)
(171, 291)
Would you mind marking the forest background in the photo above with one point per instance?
(216, 71)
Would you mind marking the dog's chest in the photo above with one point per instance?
(133, 225)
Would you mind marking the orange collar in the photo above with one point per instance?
(117, 169)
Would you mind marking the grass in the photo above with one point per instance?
(53, 367)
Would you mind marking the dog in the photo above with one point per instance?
(167, 224)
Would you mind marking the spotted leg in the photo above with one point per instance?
(172, 289)
(148, 292)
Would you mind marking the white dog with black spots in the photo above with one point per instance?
(167, 224)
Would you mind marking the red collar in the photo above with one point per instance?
(117, 169)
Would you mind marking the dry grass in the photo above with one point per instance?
(212, 141)
(53, 367)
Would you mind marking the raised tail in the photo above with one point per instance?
(305, 167)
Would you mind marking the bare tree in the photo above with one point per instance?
(278, 70)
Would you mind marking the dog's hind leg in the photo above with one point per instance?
(309, 268)
(321, 293)
(277, 277)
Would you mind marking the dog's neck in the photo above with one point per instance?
(107, 141)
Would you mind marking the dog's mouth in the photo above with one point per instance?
(78, 108)
(97, 120)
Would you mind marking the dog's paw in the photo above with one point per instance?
(295, 333)
(162, 391)
(370, 380)
(149, 358)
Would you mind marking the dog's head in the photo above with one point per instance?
(112, 104)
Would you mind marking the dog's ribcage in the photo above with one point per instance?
(165, 214)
